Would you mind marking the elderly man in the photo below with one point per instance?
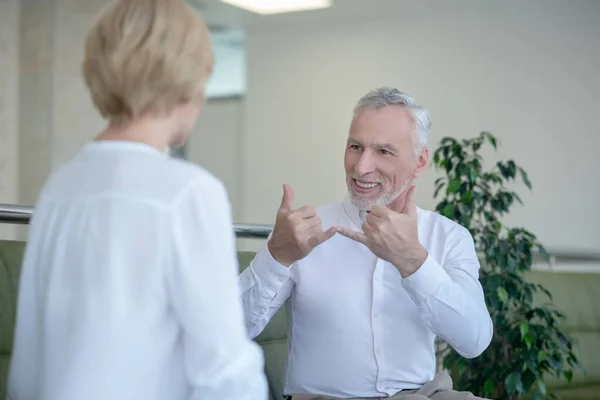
(365, 305)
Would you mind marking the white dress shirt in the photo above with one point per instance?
(129, 288)
(356, 328)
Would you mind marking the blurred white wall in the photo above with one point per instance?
(526, 71)
(216, 144)
(9, 106)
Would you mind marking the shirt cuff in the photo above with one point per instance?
(428, 279)
(268, 270)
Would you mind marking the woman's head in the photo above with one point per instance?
(148, 58)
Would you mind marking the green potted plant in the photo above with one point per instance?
(528, 342)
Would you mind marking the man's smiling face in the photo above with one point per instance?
(380, 159)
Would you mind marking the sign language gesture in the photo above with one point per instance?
(296, 232)
(393, 236)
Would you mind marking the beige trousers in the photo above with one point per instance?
(440, 388)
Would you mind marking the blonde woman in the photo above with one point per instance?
(129, 284)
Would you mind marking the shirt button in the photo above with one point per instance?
(376, 315)
(377, 279)
(281, 279)
(378, 351)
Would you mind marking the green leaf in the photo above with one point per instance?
(541, 387)
(513, 383)
(438, 188)
(528, 341)
(448, 140)
(524, 328)
(542, 356)
(502, 294)
(473, 173)
(449, 211)
(488, 387)
(447, 164)
(569, 375)
(525, 178)
(453, 186)
(492, 141)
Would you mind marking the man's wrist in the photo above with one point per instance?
(273, 250)
(411, 261)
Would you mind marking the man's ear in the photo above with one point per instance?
(422, 163)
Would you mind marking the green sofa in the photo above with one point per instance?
(575, 294)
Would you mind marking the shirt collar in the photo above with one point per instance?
(356, 215)
(122, 145)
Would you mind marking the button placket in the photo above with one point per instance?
(376, 319)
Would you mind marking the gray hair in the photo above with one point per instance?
(385, 97)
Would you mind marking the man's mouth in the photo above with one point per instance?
(365, 185)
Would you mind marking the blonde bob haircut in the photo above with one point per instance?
(146, 57)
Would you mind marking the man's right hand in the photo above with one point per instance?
(296, 232)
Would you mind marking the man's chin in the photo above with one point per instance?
(363, 203)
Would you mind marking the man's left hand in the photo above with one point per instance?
(393, 235)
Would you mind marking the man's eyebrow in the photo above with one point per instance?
(378, 146)
(385, 146)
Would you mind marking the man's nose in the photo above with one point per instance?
(365, 164)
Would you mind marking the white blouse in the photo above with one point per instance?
(129, 286)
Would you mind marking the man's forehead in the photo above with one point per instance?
(375, 136)
(387, 125)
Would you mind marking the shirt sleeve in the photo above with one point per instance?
(451, 298)
(220, 361)
(266, 285)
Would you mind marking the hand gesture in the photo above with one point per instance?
(392, 235)
(296, 232)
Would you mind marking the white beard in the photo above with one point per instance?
(363, 202)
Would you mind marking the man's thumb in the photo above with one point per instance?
(288, 198)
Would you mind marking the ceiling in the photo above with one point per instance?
(221, 16)
(229, 26)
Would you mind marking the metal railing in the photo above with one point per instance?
(18, 214)
(15, 214)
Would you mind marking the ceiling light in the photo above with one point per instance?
(279, 6)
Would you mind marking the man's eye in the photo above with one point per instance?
(385, 152)
(354, 147)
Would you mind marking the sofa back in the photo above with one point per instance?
(273, 341)
(11, 255)
(577, 296)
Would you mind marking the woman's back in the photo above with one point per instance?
(128, 274)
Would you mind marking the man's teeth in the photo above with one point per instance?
(366, 185)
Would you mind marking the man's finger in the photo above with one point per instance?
(321, 237)
(372, 221)
(310, 226)
(379, 211)
(329, 233)
(288, 198)
(306, 212)
(367, 226)
(356, 236)
(410, 205)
